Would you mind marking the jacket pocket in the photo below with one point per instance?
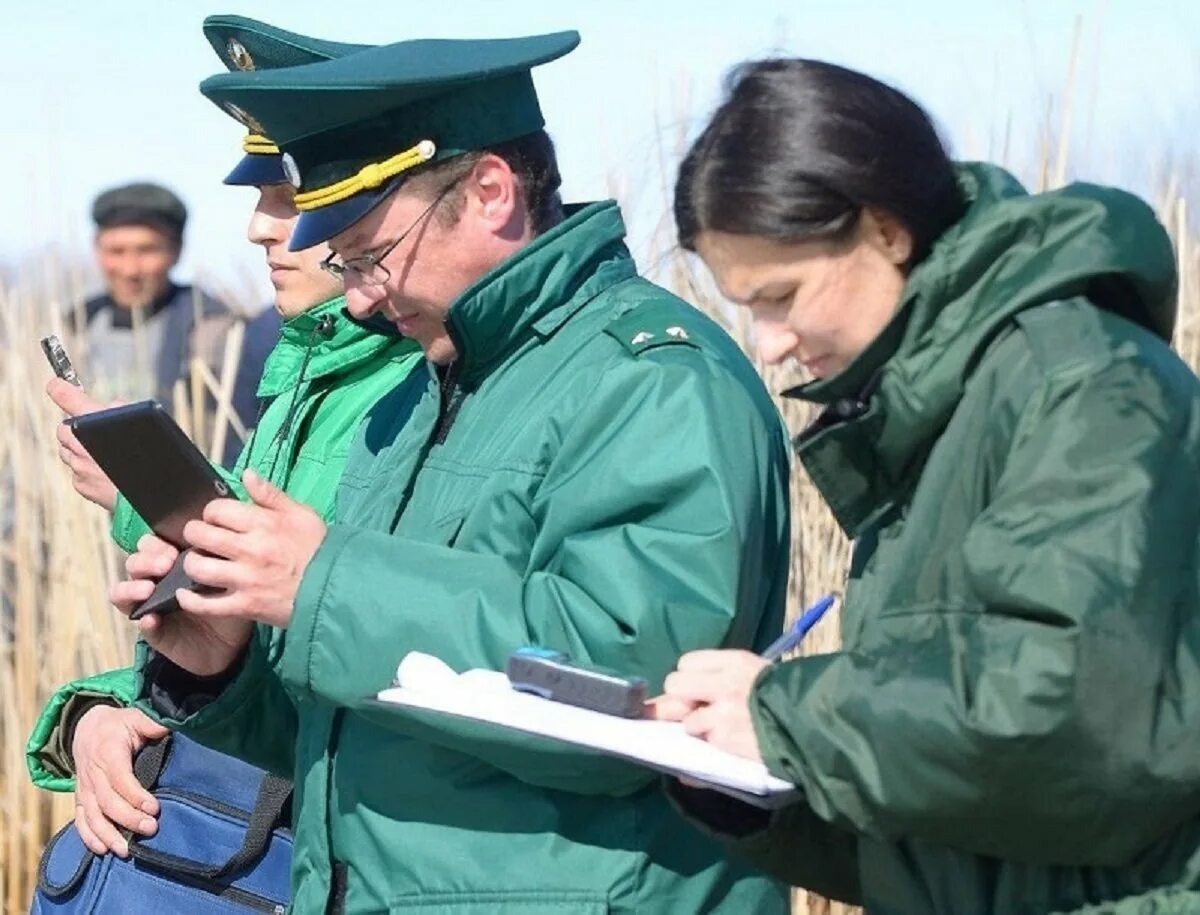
(446, 528)
(502, 902)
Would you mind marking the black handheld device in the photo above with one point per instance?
(160, 471)
(553, 675)
(59, 360)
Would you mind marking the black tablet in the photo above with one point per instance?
(153, 463)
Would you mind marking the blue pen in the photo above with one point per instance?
(799, 629)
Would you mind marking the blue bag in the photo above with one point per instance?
(222, 844)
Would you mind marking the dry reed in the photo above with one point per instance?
(56, 561)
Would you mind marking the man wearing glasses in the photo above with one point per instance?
(589, 465)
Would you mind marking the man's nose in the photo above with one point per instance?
(361, 299)
(263, 230)
(130, 267)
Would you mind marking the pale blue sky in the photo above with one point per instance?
(97, 93)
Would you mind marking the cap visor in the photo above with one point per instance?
(257, 170)
(316, 226)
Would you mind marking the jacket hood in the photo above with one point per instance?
(1009, 252)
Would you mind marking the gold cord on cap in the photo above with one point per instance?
(257, 145)
(368, 177)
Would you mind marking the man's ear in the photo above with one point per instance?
(493, 191)
(888, 235)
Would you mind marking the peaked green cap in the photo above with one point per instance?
(351, 128)
(246, 45)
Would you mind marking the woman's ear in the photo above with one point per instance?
(888, 235)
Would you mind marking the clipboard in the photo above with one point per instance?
(427, 684)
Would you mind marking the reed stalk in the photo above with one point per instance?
(57, 561)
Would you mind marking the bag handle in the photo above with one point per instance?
(150, 761)
(273, 795)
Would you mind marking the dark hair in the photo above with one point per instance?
(800, 147)
(533, 161)
(141, 204)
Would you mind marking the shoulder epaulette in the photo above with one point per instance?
(652, 324)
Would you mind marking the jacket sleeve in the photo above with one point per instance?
(128, 527)
(245, 713)
(791, 844)
(48, 751)
(1064, 693)
(660, 526)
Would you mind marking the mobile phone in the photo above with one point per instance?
(59, 360)
(552, 675)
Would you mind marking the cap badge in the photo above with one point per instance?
(291, 170)
(238, 55)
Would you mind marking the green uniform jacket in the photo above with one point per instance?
(601, 472)
(1013, 722)
(318, 387)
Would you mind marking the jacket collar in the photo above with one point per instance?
(345, 347)
(537, 289)
(123, 317)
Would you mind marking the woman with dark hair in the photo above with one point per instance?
(1013, 721)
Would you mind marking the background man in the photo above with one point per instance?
(143, 330)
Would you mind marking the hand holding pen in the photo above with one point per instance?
(709, 691)
(794, 634)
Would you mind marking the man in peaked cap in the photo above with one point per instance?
(590, 465)
(321, 377)
(244, 45)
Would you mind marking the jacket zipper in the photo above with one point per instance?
(238, 896)
(228, 891)
(208, 803)
(450, 397)
(451, 400)
(324, 328)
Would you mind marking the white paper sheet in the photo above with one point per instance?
(426, 682)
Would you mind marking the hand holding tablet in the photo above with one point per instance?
(161, 472)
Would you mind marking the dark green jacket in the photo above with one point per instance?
(317, 388)
(600, 472)
(1013, 722)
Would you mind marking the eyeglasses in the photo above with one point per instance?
(369, 267)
